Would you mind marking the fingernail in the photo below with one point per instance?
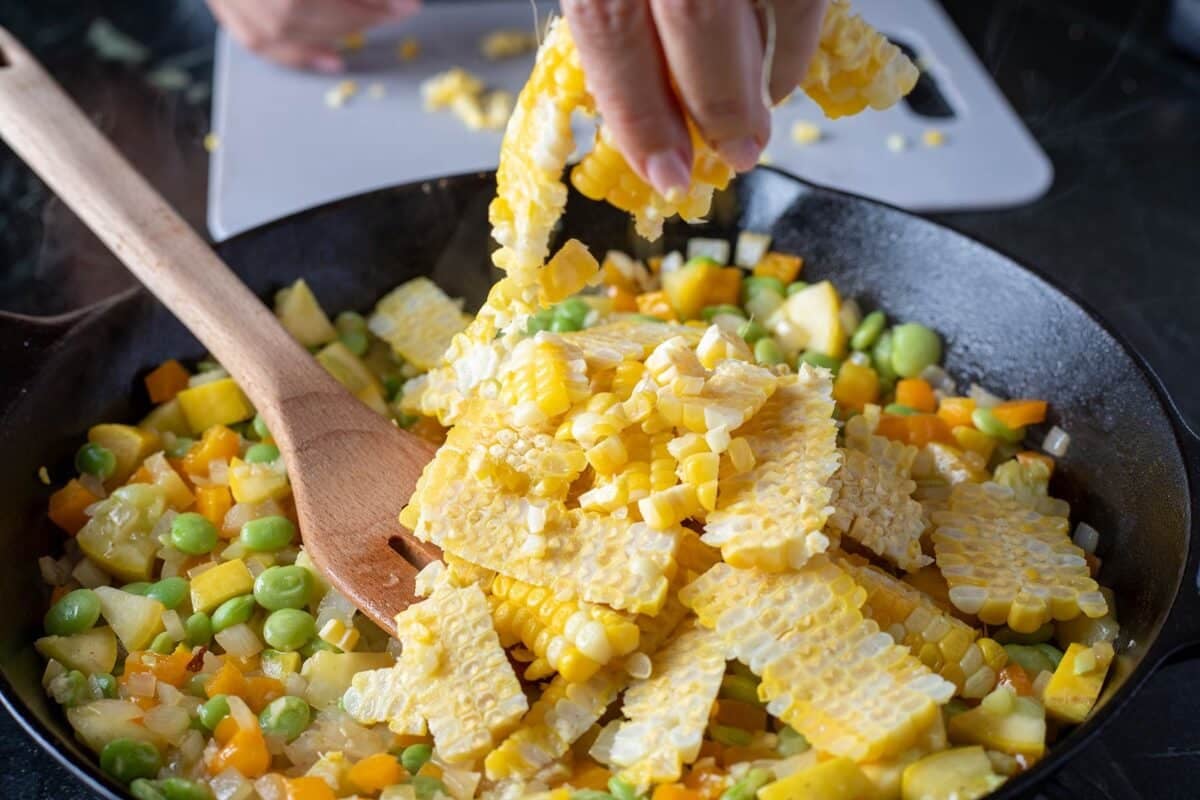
(742, 154)
(667, 171)
(403, 7)
(326, 63)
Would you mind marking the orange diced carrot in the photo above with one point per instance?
(309, 787)
(779, 265)
(218, 442)
(707, 779)
(375, 773)
(674, 791)
(741, 715)
(1026, 457)
(213, 503)
(227, 680)
(622, 299)
(956, 411)
(166, 380)
(225, 730)
(261, 690)
(171, 668)
(589, 775)
(1014, 676)
(67, 506)
(1019, 413)
(926, 428)
(656, 304)
(141, 475)
(725, 288)
(917, 394)
(246, 752)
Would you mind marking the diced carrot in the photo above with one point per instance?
(855, 386)
(1019, 413)
(956, 411)
(725, 287)
(926, 428)
(674, 791)
(1026, 457)
(916, 394)
(893, 426)
(227, 680)
(166, 380)
(261, 690)
(225, 730)
(170, 669)
(218, 442)
(708, 779)
(622, 299)
(741, 715)
(656, 304)
(246, 752)
(711, 749)
(145, 703)
(67, 506)
(589, 775)
(213, 503)
(1014, 676)
(141, 475)
(1093, 563)
(309, 787)
(779, 265)
(374, 773)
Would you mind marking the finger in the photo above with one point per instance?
(303, 55)
(715, 52)
(797, 31)
(627, 76)
(324, 21)
(253, 30)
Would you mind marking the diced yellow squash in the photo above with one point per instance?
(134, 618)
(835, 779)
(278, 665)
(218, 402)
(815, 311)
(256, 483)
(301, 315)
(179, 496)
(687, 287)
(351, 372)
(1019, 732)
(130, 445)
(962, 773)
(167, 418)
(1076, 684)
(329, 674)
(223, 582)
(89, 652)
(337, 633)
(118, 536)
(101, 721)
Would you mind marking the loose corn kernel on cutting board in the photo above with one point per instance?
(280, 148)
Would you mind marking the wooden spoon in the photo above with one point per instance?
(351, 469)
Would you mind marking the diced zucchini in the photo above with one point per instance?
(223, 582)
(301, 315)
(167, 418)
(816, 310)
(963, 773)
(118, 536)
(835, 779)
(89, 652)
(257, 483)
(329, 674)
(101, 721)
(130, 445)
(134, 618)
(219, 402)
(1020, 732)
(1076, 684)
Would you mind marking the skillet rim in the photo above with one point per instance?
(1187, 444)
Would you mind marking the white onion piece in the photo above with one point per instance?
(230, 785)
(141, 684)
(671, 262)
(939, 379)
(1056, 442)
(1086, 537)
(169, 722)
(240, 641)
(716, 249)
(52, 572)
(750, 248)
(850, 315)
(982, 397)
(173, 625)
(241, 713)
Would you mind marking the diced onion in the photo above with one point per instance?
(334, 605)
(90, 575)
(982, 397)
(241, 713)
(271, 786)
(460, 782)
(295, 684)
(939, 379)
(240, 641)
(750, 248)
(208, 376)
(716, 249)
(230, 785)
(169, 722)
(671, 262)
(861, 359)
(200, 569)
(140, 684)
(638, 665)
(850, 315)
(1041, 682)
(191, 748)
(602, 747)
(1086, 537)
(96, 487)
(1056, 442)
(218, 472)
(52, 573)
(173, 625)
(53, 670)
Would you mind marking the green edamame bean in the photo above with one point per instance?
(914, 347)
(285, 716)
(541, 321)
(901, 410)
(349, 321)
(137, 587)
(415, 756)
(728, 735)
(268, 533)
(103, 685)
(70, 689)
(163, 644)
(708, 312)
(564, 325)
(232, 612)
(791, 742)
(284, 587)
(145, 789)
(179, 447)
(126, 760)
(768, 352)
(75, 612)
(796, 286)
(259, 426)
(741, 688)
(261, 453)
(621, 790)
(817, 359)
(212, 712)
(93, 459)
(1031, 659)
(751, 330)
(314, 646)
(355, 341)
(289, 629)
(169, 591)
(574, 309)
(195, 686)
(986, 421)
(427, 788)
(183, 789)
(198, 629)
(392, 384)
(748, 786)
(1051, 652)
(193, 534)
(868, 331)
(754, 284)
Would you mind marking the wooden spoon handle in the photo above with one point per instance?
(50, 133)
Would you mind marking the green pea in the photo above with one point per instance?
(590, 794)
(268, 533)
(709, 312)
(289, 629)
(92, 459)
(70, 689)
(751, 330)
(818, 359)
(145, 789)
(193, 534)
(355, 341)
(427, 788)
(75, 612)
(986, 421)
(416, 756)
(284, 587)
(103, 685)
(183, 789)
(126, 760)
(748, 786)
(563, 325)
(259, 426)
(728, 735)
(914, 347)
(212, 712)
(901, 410)
(392, 385)
(286, 717)
(137, 587)
(868, 331)
(881, 356)
(262, 453)
(795, 286)
(1031, 659)
(622, 790)
(768, 352)
(741, 688)
(541, 321)
(1051, 652)
(754, 284)
(792, 742)
(575, 309)
(195, 685)
(232, 612)
(198, 629)
(179, 447)
(350, 321)
(314, 646)
(169, 591)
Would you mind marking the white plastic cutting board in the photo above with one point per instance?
(281, 149)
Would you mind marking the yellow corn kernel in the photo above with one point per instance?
(257, 483)
(571, 269)
(699, 468)
(656, 304)
(779, 265)
(855, 386)
(337, 633)
(993, 652)
(626, 376)
(608, 455)
(718, 344)
(129, 445)
(218, 402)
(223, 582)
(974, 441)
(543, 374)
(669, 507)
(740, 455)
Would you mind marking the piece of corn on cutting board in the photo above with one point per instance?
(280, 148)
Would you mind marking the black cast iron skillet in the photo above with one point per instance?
(1129, 471)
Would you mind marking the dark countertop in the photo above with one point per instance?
(1115, 108)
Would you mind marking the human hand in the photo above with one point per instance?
(649, 61)
(304, 33)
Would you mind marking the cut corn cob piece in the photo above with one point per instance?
(947, 464)
(667, 713)
(469, 695)
(386, 695)
(418, 320)
(771, 516)
(601, 417)
(828, 672)
(944, 644)
(575, 639)
(733, 393)
(1010, 565)
(567, 272)
(873, 505)
(602, 559)
(543, 378)
(609, 345)
(603, 174)
(718, 344)
(855, 66)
